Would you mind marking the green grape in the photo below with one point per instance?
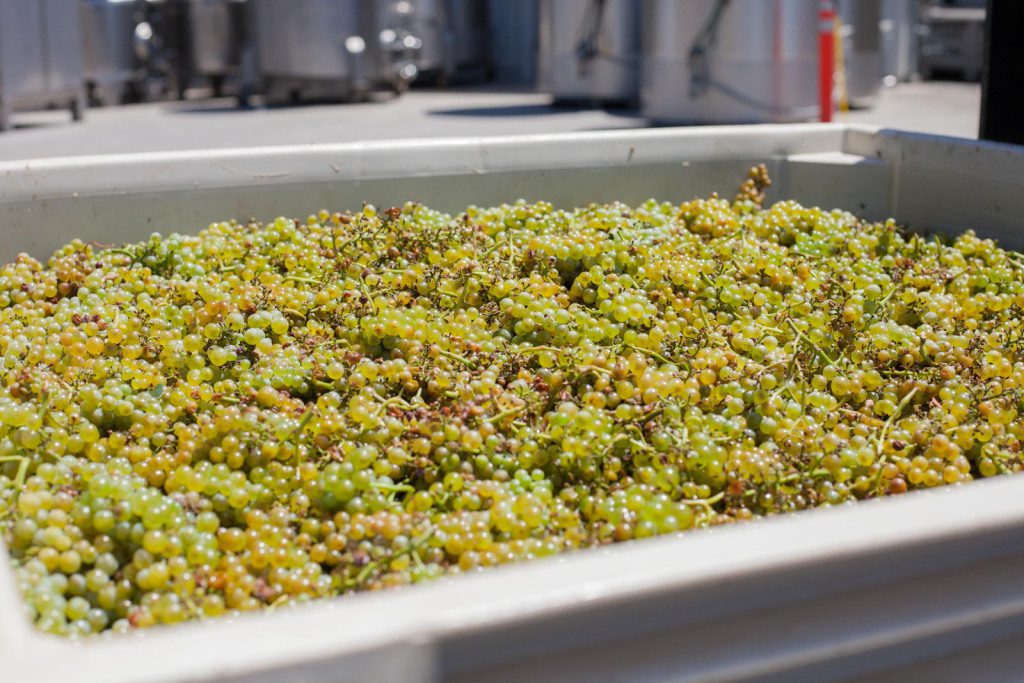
(193, 426)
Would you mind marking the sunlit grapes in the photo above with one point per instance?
(266, 414)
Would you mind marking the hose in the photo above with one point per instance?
(588, 48)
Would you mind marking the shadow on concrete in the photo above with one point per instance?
(506, 111)
(29, 125)
(201, 109)
(640, 125)
(513, 110)
(230, 105)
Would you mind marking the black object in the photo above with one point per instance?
(1002, 86)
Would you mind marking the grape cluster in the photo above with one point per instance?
(265, 414)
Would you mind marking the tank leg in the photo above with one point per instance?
(245, 98)
(249, 80)
(78, 107)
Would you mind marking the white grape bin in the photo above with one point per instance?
(925, 586)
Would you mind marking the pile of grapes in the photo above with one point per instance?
(268, 414)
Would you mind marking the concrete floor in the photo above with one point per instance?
(936, 107)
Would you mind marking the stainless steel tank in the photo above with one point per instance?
(589, 50)
(467, 30)
(324, 48)
(512, 41)
(715, 61)
(862, 50)
(108, 53)
(393, 44)
(428, 22)
(40, 57)
(218, 31)
(163, 47)
(899, 40)
(306, 38)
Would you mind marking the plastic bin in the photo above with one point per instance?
(922, 586)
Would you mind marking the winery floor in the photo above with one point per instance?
(946, 108)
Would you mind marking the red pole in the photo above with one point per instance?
(826, 58)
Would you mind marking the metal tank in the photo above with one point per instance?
(512, 41)
(716, 61)
(428, 23)
(899, 40)
(862, 50)
(40, 57)
(108, 54)
(306, 39)
(589, 50)
(309, 49)
(218, 39)
(163, 47)
(467, 30)
(394, 47)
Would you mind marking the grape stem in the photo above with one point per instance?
(652, 414)
(865, 419)
(704, 315)
(802, 336)
(888, 296)
(880, 444)
(455, 356)
(365, 572)
(23, 461)
(299, 278)
(532, 349)
(790, 478)
(498, 417)
(394, 488)
(124, 252)
(490, 249)
(813, 474)
(776, 330)
(369, 297)
(306, 417)
(1015, 259)
(358, 238)
(652, 354)
(707, 503)
(320, 384)
(281, 599)
(393, 401)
